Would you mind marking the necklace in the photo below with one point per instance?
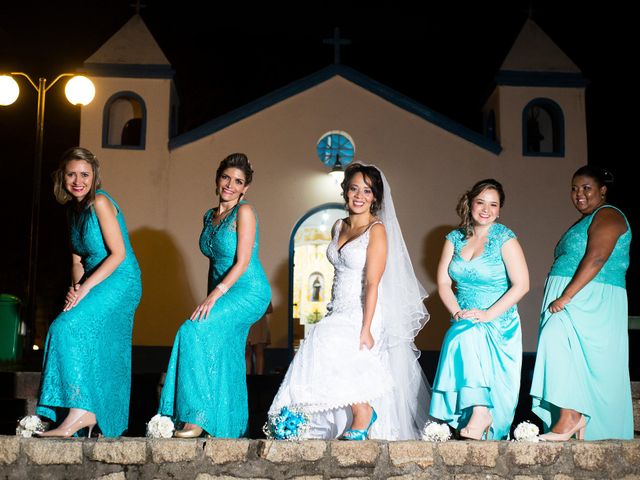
(219, 216)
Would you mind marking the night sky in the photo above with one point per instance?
(443, 56)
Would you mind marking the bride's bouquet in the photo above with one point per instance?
(289, 424)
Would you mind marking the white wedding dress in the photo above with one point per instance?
(329, 373)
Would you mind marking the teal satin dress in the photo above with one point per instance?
(206, 378)
(87, 357)
(583, 351)
(480, 362)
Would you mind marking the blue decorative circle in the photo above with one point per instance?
(336, 145)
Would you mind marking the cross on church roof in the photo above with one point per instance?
(138, 6)
(336, 41)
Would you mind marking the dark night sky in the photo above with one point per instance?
(443, 56)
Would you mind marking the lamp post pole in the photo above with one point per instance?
(42, 89)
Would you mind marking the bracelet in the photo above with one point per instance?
(222, 287)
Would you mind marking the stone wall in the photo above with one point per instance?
(205, 459)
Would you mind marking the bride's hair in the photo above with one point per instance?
(465, 202)
(372, 178)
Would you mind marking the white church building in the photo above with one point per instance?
(533, 140)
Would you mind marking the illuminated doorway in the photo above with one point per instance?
(310, 273)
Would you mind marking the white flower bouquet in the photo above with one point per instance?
(29, 425)
(160, 427)
(436, 432)
(526, 432)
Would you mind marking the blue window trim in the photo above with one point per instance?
(105, 121)
(557, 117)
(319, 208)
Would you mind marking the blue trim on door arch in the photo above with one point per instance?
(313, 211)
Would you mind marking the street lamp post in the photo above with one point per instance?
(79, 91)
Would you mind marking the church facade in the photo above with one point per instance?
(534, 138)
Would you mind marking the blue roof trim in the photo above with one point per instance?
(128, 71)
(540, 79)
(326, 73)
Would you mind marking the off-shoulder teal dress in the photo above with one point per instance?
(87, 357)
(480, 362)
(206, 379)
(583, 351)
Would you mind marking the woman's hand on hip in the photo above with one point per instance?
(366, 339)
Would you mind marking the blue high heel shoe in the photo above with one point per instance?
(353, 434)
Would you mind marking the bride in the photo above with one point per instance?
(358, 367)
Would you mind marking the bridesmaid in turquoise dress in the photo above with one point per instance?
(581, 379)
(478, 378)
(205, 386)
(87, 357)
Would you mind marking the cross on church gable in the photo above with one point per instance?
(337, 42)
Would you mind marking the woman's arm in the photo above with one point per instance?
(375, 265)
(518, 274)
(110, 228)
(445, 284)
(605, 229)
(77, 272)
(246, 230)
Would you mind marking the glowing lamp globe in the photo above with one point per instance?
(80, 90)
(9, 90)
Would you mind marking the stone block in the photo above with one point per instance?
(590, 456)
(526, 453)
(359, 454)
(562, 476)
(113, 476)
(453, 453)
(173, 450)
(124, 452)
(483, 454)
(308, 477)
(476, 476)
(528, 477)
(53, 452)
(419, 453)
(631, 452)
(226, 451)
(9, 450)
(289, 452)
(207, 476)
(636, 414)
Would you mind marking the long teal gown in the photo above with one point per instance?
(583, 351)
(206, 378)
(87, 356)
(480, 362)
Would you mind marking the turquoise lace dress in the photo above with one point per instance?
(583, 351)
(480, 362)
(206, 376)
(87, 356)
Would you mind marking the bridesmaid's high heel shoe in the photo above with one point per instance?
(577, 430)
(471, 432)
(194, 432)
(85, 420)
(354, 434)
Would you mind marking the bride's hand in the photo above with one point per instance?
(366, 339)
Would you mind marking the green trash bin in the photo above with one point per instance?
(10, 341)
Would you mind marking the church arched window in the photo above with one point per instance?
(124, 122)
(543, 129)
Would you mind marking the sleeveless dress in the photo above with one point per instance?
(583, 351)
(87, 357)
(480, 362)
(206, 378)
(329, 373)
